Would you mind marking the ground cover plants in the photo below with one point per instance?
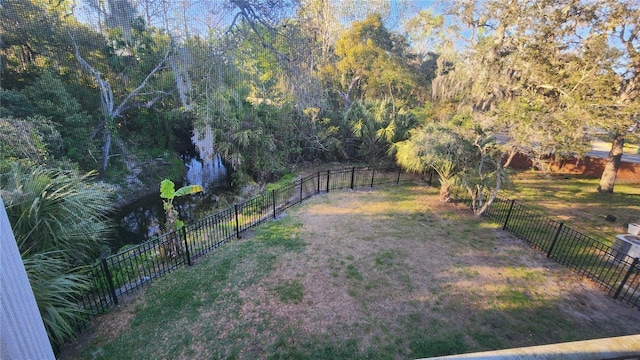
(386, 274)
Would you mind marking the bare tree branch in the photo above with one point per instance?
(135, 91)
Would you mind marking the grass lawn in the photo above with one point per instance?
(575, 201)
(384, 274)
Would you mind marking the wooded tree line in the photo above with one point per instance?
(265, 89)
(124, 86)
(269, 83)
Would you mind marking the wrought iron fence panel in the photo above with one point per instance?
(210, 232)
(339, 180)
(628, 289)
(128, 270)
(499, 209)
(308, 187)
(254, 211)
(361, 178)
(535, 228)
(133, 268)
(286, 197)
(608, 267)
(591, 258)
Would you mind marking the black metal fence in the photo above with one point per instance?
(612, 269)
(127, 271)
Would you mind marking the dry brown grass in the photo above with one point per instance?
(421, 267)
(389, 273)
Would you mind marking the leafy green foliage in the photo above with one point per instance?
(373, 63)
(30, 141)
(52, 101)
(60, 222)
(377, 125)
(56, 286)
(52, 209)
(257, 140)
(168, 193)
(459, 155)
(14, 104)
(167, 189)
(435, 147)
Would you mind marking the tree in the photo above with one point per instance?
(26, 35)
(372, 63)
(112, 108)
(545, 73)
(425, 30)
(483, 175)
(468, 157)
(60, 224)
(376, 125)
(50, 99)
(435, 147)
(31, 141)
(619, 21)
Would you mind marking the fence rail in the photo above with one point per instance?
(127, 271)
(615, 271)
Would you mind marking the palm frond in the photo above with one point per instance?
(56, 287)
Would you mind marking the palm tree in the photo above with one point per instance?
(60, 222)
(438, 148)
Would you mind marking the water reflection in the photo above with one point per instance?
(205, 174)
(143, 219)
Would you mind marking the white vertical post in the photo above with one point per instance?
(22, 333)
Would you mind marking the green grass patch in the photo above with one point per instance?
(353, 273)
(274, 234)
(575, 201)
(284, 181)
(514, 298)
(437, 344)
(290, 291)
(385, 259)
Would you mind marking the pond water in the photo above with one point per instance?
(144, 218)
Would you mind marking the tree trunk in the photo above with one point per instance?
(346, 96)
(608, 179)
(106, 149)
(445, 191)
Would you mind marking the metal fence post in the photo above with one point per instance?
(107, 274)
(555, 238)
(399, 172)
(504, 227)
(632, 268)
(328, 174)
(235, 206)
(183, 231)
(300, 190)
(273, 196)
(373, 176)
(353, 173)
(318, 191)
